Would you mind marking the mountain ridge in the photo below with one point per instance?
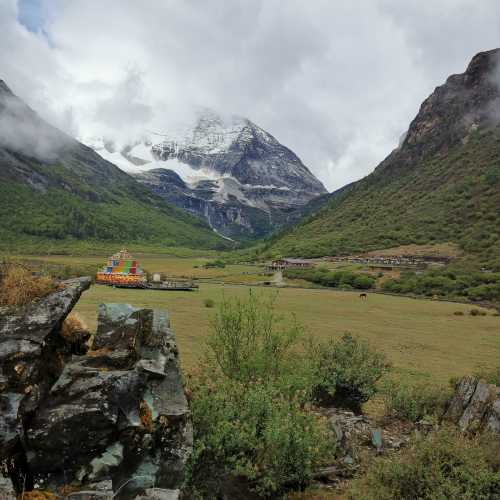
(53, 188)
(236, 175)
(441, 184)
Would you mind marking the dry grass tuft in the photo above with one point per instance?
(74, 328)
(18, 285)
(37, 495)
(146, 416)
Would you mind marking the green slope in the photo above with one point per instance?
(442, 185)
(56, 192)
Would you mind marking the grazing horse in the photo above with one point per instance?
(363, 296)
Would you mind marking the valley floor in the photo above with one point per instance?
(422, 338)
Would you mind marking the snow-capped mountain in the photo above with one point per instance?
(227, 170)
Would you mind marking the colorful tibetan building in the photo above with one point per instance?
(122, 270)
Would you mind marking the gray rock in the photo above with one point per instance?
(475, 406)
(32, 354)
(6, 489)
(119, 412)
(159, 494)
(97, 491)
(376, 439)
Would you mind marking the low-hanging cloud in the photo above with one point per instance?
(22, 131)
(337, 82)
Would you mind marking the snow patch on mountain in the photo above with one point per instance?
(235, 174)
(140, 158)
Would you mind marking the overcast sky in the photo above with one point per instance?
(336, 81)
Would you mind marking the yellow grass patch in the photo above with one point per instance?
(18, 285)
(450, 250)
(74, 328)
(37, 495)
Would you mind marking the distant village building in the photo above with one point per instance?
(280, 264)
(387, 262)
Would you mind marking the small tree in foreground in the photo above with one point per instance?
(251, 399)
(249, 406)
(249, 341)
(255, 432)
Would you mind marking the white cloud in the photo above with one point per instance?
(338, 82)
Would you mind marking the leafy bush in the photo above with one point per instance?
(255, 432)
(347, 371)
(249, 406)
(414, 402)
(477, 312)
(215, 263)
(249, 341)
(474, 285)
(335, 279)
(444, 465)
(209, 303)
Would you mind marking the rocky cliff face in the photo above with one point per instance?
(110, 423)
(463, 104)
(228, 171)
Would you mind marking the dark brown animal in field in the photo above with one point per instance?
(363, 296)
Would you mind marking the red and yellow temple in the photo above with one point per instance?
(122, 270)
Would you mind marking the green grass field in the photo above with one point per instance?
(172, 265)
(422, 338)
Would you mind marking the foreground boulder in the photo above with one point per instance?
(32, 356)
(115, 422)
(475, 406)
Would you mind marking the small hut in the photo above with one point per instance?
(280, 264)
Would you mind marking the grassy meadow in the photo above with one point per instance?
(174, 266)
(422, 338)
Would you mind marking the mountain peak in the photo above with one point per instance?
(228, 170)
(4, 89)
(464, 103)
(483, 64)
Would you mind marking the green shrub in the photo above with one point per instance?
(414, 402)
(249, 341)
(255, 432)
(334, 279)
(477, 312)
(444, 465)
(249, 409)
(448, 282)
(209, 303)
(347, 371)
(215, 263)
(458, 313)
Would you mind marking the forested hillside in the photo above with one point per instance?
(54, 191)
(442, 184)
